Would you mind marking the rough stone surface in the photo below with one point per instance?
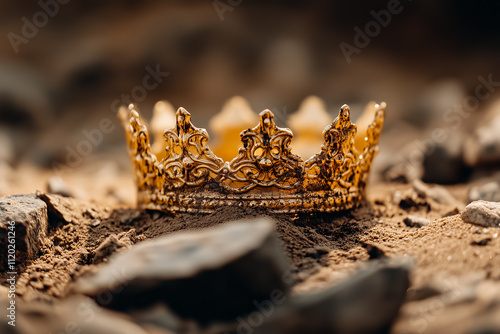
(487, 192)
(77, 314)
(30, 217)
(436, 193)
(367, 302)
(113, 243)
(415, 221)
(482, 213)
(209, 275)
(465, 307)
(63, 209)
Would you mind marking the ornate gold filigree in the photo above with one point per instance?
(265, 173)
(265, 159)
(188, 160)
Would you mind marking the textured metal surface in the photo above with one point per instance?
(265, 173)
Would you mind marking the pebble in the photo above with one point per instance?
(487, 192)
(482, 213)
(56, 186)
(438, 194)
(483, 147)
(214, 274)
(30, 228)
(415, 221)
(112, 243)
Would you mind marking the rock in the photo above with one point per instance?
(482, 213)
(482, 242)
(487, 192)
(464, 309)
(444, 163)
(210, 275)
(56, 186)
(415, 221)
(483, 147)
(29, 215)
(436, 193)
(112, 243)
(367, 302)
(374, 251)
(434, 101)
(76, 314)
(403, 172)
(65, 209)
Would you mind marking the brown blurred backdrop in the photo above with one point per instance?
(66, 75)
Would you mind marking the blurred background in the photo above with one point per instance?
(66, 65)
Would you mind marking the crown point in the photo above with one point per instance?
(266, 113)
(345, 108)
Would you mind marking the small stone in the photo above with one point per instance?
(487, 192)
(58, 250)
(452, 212)
(111, 244)
(482, 242)
(96, 222)
(56, 186)
(322, 250)
(483, 147)
(37, 284)
(129, 216)
(482, 213)
(29, 228)
(214, 274)
(65, 209)
(415, 221)
(374, 251)
(438, 194)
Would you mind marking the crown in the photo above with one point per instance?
(180, 173)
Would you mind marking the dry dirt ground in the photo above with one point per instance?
(450, 255)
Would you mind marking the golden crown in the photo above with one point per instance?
(180, 173)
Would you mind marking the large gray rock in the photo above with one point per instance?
(210, 275)
(482, 213)
(367, 302)
(29, 215)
